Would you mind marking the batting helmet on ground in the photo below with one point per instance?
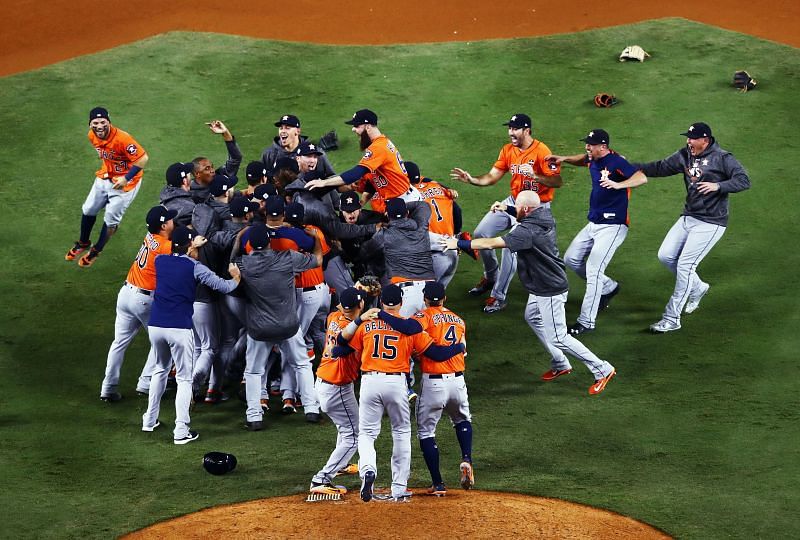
(219, 463)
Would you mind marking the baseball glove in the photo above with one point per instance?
(743, 81)
(604, 100)
(329, 141)
(633, 52)
(370, 285)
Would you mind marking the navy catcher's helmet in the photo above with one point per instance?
(219, 463)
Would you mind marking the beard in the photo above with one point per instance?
(364, 141)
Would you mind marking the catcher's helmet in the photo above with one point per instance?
(219, 463)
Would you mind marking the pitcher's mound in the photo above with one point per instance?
(466, 514)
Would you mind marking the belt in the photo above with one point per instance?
(442, 375)
(137, 289)
(310, 288)
(381, 373)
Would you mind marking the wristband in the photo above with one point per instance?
(358, 320)
(464, 245)
(134, 170)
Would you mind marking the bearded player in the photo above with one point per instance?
(115, 185)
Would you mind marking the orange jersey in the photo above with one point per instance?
(281, 239)
(118, 152)
(438, 198)
(315, 276)
(511, 158)
(445, 328)
(383, 159)
(142, 273)
(337, 370)
(382, 348)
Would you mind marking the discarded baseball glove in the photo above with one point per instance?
(743, 81)
(633, 52)
(370, 285)
(604, 100)
(329, 141)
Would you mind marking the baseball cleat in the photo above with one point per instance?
(493, 305)
(352, 468)
(663, 326)
(412, 395)
(605, 299)
(551, 374)
(151, 428)
(215, 396)
(600, 384)
(255, 425)
(142, 391)
(402, 497)
(578, 329)
(312, 417)
(366, 486)
(483, 286)
(437, 489)
(189, 437)
(76, 250)
(288, 407)
(467, 475)
(88, 259)
(111, 397)
(264, 405)
(326, 488)
(694, 300)
(468, 237)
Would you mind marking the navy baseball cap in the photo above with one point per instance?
(350, 202)
(307, 148)
(698, 130)
(288, 120)
(597, 136)
(182, 236)
(98, 112)
(350, 298)
(256, 171)
(396, 208)
(220, 184)
(240, 206)
(275, 206)
(392, 295)
(363, 116)
(158, 215)
(412, 170)
(287, 163)
(294, 213)
(264, 191)
(177, 172)
(258, 236)
(434, 291)
(519, 120)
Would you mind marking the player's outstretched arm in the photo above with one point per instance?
(488, 179)
(637, 179)
(578, 160)
(468, 245)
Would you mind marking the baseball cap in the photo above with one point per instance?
(698, 130)
(288, 120)
(294, 213)
(350, 203)
(255, 171)
(434, 291)
(177, 172)
(597, 136)
(392, 295)
(98, 112)
(412, 170)
(350, 298)
(396, 208)
(220, 184)
(287, 163)
(259, 236)
(275, 206)
(158, 215)
(363, 116)
(264, 191)
(519, 120)
(241, 205)
(307, 148)
(182, 236)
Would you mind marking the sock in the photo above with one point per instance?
(431, 454)
(464, 436)
(102, 239)
(87, 223)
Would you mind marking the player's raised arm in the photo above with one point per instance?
(488, 179)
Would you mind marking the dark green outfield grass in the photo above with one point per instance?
(697, 435)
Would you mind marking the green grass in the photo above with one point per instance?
(697, 435)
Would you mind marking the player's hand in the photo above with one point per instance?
(526, 169)
(554, 158)
(199, 241)
(461, 175)
(120, 182)
(217, 126)
(453, 194)
(234, 271)
(497, 206)
(316, 184)
(448, 242)
(370, 315)
(608, 184)
(707, 187)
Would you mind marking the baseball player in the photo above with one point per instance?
(382, 162)
(443, 389)
(135, 300)
(385, 354)
(542, 273)
(709, 174)
(524, 158)
(353, 214)
(592, 249)
(176, 194)
(170, 326)
(285, 144)
(115, 185)
(337, 398)
(204, 169)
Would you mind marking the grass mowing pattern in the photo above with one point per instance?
(697, 434)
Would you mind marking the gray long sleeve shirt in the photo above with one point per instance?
(406, 244)
(713, 165)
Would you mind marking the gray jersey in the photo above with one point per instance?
(268, 280)
(406, 244)
(179, 200)
(713, 165)
(540, 268)
(271, 155)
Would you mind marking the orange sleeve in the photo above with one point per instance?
(376, 155)
(142, 272)
(503, 163)
(421, 341)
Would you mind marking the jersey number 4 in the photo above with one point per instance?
(383, 346)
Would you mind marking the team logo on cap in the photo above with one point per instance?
(131, 149)
(312, 147)
(349, 200)
(284, 117)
